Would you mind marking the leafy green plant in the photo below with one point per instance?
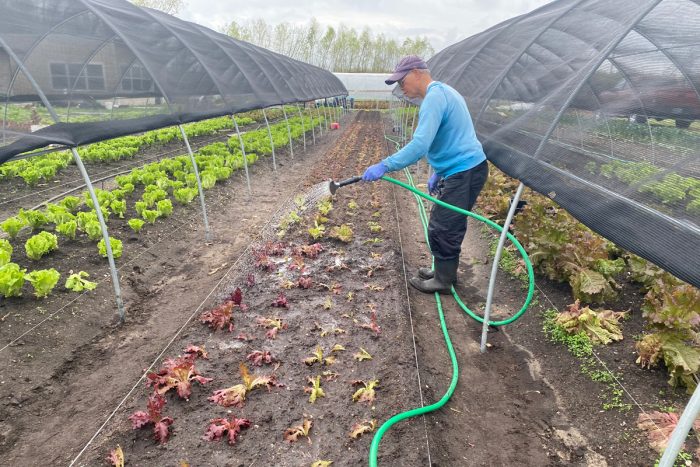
(178, 374)
(318, 357)
(78, 282)
(12, 226)
(67, 229)
(672, 304)
(118, 207)
(136, 224)
(231, 428)
(659, 426)
(362, 355)
(601, 326)
(5, 252)
(150, 215)
(579, 344)
(71, 203)
(32, 218)
(58, 214)
(93, 229)
(185, 195)
(315, 391)
(116, 247)
(374, 227)
(104, 197)
(680, 354)
(11, 280)
(317, 231)
(165, 207)
(342, 233)
(40, 244)
(153, 415)
(235, 395)
(325, 206)
(43, 280)
(140, 206)
(292, 434)
(366, 393)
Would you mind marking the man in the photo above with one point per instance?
(445, 134)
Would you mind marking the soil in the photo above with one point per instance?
(523, 402)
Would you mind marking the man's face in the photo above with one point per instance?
(409, 84)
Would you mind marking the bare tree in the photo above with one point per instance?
(171, 7)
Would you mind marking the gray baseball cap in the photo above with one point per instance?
(405, 65)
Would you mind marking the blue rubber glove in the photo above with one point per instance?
(433, 183)
(374, 172)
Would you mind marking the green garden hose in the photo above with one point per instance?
(374, 448)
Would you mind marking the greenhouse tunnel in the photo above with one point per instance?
(596, 104)
(112, 57)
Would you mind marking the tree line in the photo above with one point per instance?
(341, 49)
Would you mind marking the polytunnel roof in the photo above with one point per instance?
(113, 55)
(596, 104)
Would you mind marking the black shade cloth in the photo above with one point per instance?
(110, 68)
(597, 104)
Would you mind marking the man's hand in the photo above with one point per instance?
(433, 183)
(374, 172)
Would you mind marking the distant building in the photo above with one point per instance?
(366, 86)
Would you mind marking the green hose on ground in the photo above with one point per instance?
(374, 448)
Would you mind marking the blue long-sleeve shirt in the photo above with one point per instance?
(445, 134)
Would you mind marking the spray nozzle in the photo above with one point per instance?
(335, 185)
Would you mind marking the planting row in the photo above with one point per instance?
(564, 250)
(44, 168)
(298, 295)
(160, 181)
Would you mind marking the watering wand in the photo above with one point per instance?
(335, 185)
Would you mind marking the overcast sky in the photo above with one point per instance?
(444, 22)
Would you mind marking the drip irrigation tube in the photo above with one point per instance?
(374, 447)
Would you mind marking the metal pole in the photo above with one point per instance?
(105, 234)
(494, 266)
(680, 433)
(289, 132)
(404, 122)
(413, 122)
(320, 125)
(272, 143)
(245, 158)
(207, 232)
(303, 127)
(325, 114)
(313, 128)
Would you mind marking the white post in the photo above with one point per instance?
(272, 143)
(207, 232)
(494, 266)
(105, 234)
(245, 159)
(289, 132)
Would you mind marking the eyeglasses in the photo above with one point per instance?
(401, 81)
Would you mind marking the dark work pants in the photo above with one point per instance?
(447, 228)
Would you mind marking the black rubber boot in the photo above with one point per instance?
(444, 278)
(426, 273)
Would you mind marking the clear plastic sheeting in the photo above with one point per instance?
(108, 68)
(596, 104)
